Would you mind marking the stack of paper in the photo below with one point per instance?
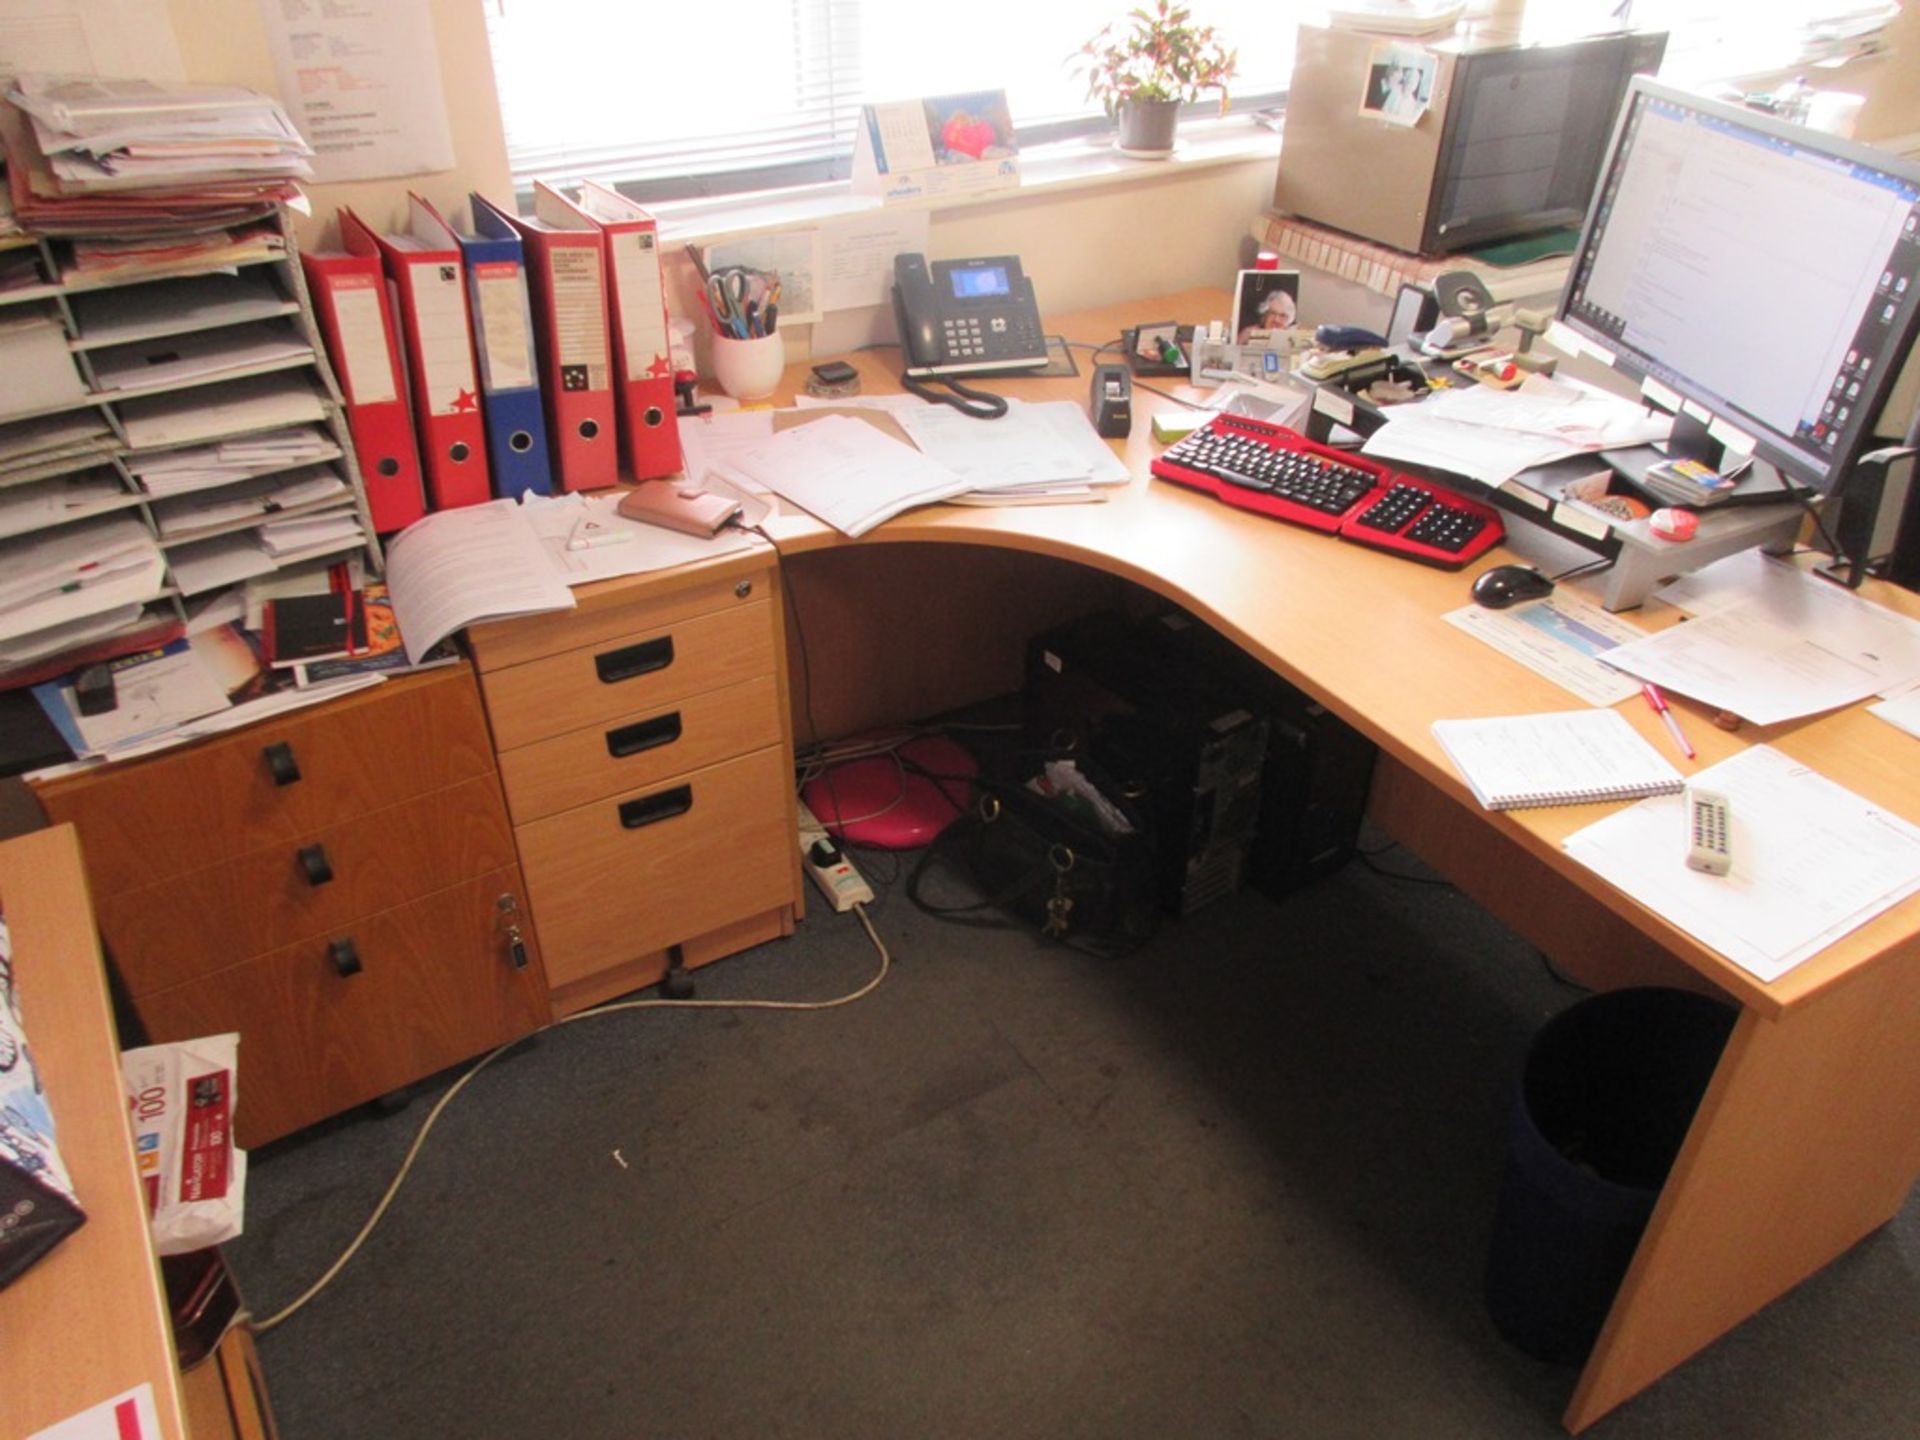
(1033, 453)
(73, 571)
(36, 504)
(1770, 643)
(199, 467)
(53, 444)
(36, 368)
(101, 157)
(253, 403)
(132, 313)
(106, 258)
(285, 494)
(848, 473)
(1492, 435)
(165, 362)
(137, 134)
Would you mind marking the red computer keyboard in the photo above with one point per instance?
(1275, 471)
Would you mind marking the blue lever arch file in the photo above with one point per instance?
(503, 338)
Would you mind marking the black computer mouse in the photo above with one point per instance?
(1506, 585)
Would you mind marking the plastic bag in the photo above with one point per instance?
(183, 1097)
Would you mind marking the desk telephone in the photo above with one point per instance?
(965, 317)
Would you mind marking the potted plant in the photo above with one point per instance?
(1142, 69)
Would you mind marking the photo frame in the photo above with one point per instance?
(1399, 83)
(1265, 301)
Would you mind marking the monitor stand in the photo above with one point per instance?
(1642, 561)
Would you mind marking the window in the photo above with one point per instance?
(719, 96)
(708, 97)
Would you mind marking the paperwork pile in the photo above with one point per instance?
(1492, 435)
(91, 156)
(1770, 643)
(875, 458)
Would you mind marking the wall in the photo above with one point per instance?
(1170, 230)
(1083, 247)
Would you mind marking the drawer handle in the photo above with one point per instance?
(345, 956)
(314, 864)
(649, 809)
(643, 735)
(281, 764)
(631, 660)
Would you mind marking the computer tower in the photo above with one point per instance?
(1166, 731)
(1313, 791)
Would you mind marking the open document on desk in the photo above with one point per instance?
(1811, 861)
(1769, 642)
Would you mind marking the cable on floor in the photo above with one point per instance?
(261, 1327)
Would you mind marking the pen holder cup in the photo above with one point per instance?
(749, 369)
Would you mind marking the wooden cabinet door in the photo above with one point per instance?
(276, 781)
(322, 1029)
(213, 918)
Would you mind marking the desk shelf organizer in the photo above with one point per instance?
(1642, 561)
(77, 419)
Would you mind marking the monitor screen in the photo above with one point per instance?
(1759, 278)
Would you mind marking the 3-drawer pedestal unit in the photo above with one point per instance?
(339, 885)
(647, 756)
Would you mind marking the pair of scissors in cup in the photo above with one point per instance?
(728, 292)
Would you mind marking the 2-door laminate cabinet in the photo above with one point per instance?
(647, 757)
(338, 884)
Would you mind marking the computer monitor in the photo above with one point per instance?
(1761, 280)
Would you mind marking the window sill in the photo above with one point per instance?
(1044, 170)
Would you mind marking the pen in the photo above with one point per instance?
(1659, 704)
(770, 319)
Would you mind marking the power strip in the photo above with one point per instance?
(829, 866)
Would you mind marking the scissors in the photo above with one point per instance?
(728, 291)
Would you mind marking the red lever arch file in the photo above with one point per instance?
(642, 357)
(428, 284)
(350, 298)
(566, 280)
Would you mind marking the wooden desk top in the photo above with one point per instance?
(1363, 632)
(87, 1321)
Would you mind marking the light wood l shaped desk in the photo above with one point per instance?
(1809, 1135)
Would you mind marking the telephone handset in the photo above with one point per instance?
(966, 317)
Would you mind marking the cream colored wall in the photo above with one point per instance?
(225, 41)
(1167, 232)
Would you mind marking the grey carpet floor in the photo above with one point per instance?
(1238, 1184)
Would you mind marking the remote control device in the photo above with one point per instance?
(1709, 832)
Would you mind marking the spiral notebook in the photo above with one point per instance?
(1567, 757)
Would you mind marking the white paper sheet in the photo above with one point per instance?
(847, 473)
(856, 256)
(1561, 637)
(1811, 861)
(1770, 643)
(363, 84)
(475, 563)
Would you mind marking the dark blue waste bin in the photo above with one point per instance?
(1607, 1092)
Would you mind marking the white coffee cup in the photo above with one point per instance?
(749, 369)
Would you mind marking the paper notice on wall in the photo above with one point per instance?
(125, 39)
(856, 257)
(361, 79)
